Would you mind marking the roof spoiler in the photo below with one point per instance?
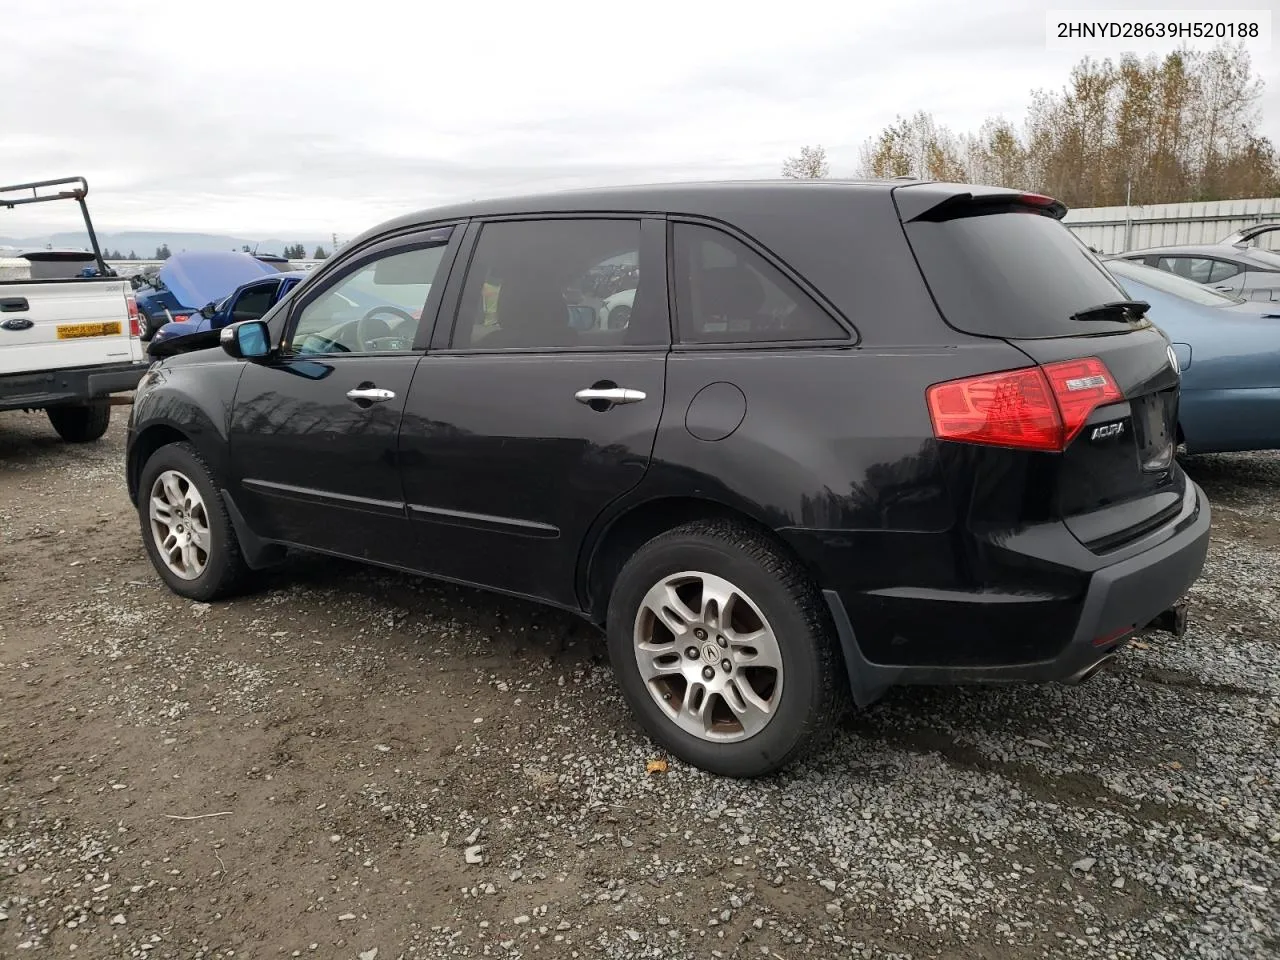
(942, 201)
(80, 190)
(1241, 238)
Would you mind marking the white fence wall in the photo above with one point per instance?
(1161, 224)
(127, 268)
(1103, 228)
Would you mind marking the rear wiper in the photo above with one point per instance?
(1121, 310)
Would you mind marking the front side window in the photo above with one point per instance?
(253, 303)
(555, 285)
(374, 309)
(728, 293)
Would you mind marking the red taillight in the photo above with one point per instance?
(135, 328)
(1081, 387)
(1035, 408)
(180, 317)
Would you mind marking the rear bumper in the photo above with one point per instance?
(1121, 598)
(49, 388)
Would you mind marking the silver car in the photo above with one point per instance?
(1231, 266)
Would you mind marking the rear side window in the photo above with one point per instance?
(1015, 275)
(1168, 283)
(559, 284)
(1222, 270)
(728, 293)
(1195, 269)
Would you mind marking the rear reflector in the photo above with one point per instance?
(1034, 408)
(1109, 638)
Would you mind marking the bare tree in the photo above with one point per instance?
(810, 165)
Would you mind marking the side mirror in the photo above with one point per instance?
(249, 340)
(208, 310)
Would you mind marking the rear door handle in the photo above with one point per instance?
(611, 395)
(14, 305)
(370, 394)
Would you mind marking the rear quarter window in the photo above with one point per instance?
(1014, 275)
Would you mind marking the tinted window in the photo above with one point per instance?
(254, 302)
(1221, 270)
(1168, 283)
(374, 309)
(1018, 275)
(728, 293)
(557, 284)
(1195, 269)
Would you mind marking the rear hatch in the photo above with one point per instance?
(1000, 265)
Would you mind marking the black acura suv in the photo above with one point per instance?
(788, 443)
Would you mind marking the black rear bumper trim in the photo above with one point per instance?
(1122, 599)
(49, 388)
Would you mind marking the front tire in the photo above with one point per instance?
(185, 527)
(619, 317)
(81, 422)
(724, 649)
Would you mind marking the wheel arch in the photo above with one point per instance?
(628, 530)
(150, 439)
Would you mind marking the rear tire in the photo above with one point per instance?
(772, 692)
(185, 527)
(81, 422)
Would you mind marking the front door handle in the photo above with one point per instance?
(610, 395)
(370, 394)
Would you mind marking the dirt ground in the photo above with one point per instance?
(310, 770)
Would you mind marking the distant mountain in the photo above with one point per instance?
(145, 242)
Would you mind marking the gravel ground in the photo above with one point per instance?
(353, 764)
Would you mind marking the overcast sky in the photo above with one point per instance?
(291, 118)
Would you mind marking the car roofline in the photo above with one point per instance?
(687, 198)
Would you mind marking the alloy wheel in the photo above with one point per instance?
(179, 524)
(708, 656)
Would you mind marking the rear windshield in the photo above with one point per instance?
(1268, 257)
(1015, 275)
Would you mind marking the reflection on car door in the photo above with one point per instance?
(529, 421)
(313, 430)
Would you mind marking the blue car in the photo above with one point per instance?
(188, 281)
(249, 301)
(1228, 350)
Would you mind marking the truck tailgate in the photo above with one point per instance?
(65, 323)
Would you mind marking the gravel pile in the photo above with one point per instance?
(352, 764)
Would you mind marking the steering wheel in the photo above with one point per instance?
(371, 328)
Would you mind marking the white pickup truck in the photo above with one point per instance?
(68, 335)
